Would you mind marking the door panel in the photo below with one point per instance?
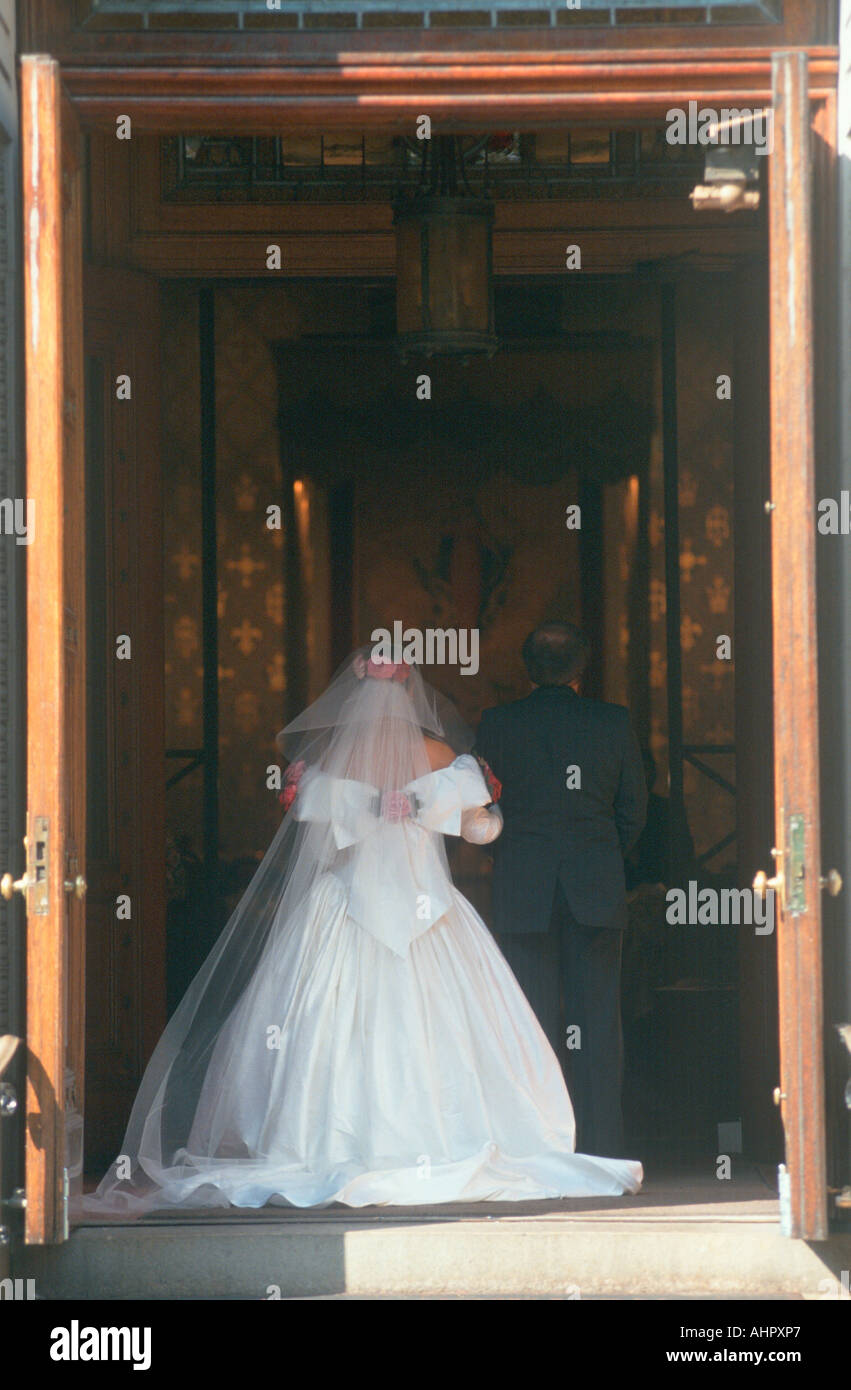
(56, 848)
(125, 955)
(796, 735)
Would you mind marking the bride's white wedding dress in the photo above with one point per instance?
(381, 1052)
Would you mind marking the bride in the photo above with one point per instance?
(355, 1035)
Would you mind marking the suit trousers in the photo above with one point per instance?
(571, 976)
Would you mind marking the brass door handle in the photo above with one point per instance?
(77, 886)
(9, 886)
(832, 881)
(762, 882)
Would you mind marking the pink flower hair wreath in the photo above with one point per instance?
(381, 670)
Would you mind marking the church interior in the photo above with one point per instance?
(608, 399)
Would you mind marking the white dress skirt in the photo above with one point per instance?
(352, 1072)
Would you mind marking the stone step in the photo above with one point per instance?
(551, 1255)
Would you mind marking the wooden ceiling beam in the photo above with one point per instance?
(525, 91)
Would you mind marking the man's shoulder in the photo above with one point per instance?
(601, 709)
(496, 713)
(604, 714)
(606, 709)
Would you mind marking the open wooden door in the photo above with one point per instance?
(54, 882)
(797, 877)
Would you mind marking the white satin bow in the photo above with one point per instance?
(396, 881)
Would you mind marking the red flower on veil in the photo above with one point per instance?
(292, 777)
(492, 782)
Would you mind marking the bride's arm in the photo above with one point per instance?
(439, 754)
(455, 800)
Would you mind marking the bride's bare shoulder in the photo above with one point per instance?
(439, 753)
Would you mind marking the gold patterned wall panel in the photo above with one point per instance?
(706, 315)
(182, 554)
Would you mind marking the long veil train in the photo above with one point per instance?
(355, 1035)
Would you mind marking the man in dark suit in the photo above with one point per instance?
(574, 802)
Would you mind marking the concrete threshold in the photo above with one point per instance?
(683, 1236)
(552, 1257)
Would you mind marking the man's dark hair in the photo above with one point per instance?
(555, 653)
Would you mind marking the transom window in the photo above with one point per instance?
(359, 166)
(343, 14)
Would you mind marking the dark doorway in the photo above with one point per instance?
(445, 504)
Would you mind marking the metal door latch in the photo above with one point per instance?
(791, 881)
(35, 883)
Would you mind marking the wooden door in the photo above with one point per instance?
(125, 927)
(797, 877)
(54, 882)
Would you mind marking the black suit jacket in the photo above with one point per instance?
(552, 834)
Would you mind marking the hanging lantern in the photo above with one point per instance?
(444, 260)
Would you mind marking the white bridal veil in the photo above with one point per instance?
(362, 821)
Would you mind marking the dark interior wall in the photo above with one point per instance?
(460, 500)
(441, 494)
